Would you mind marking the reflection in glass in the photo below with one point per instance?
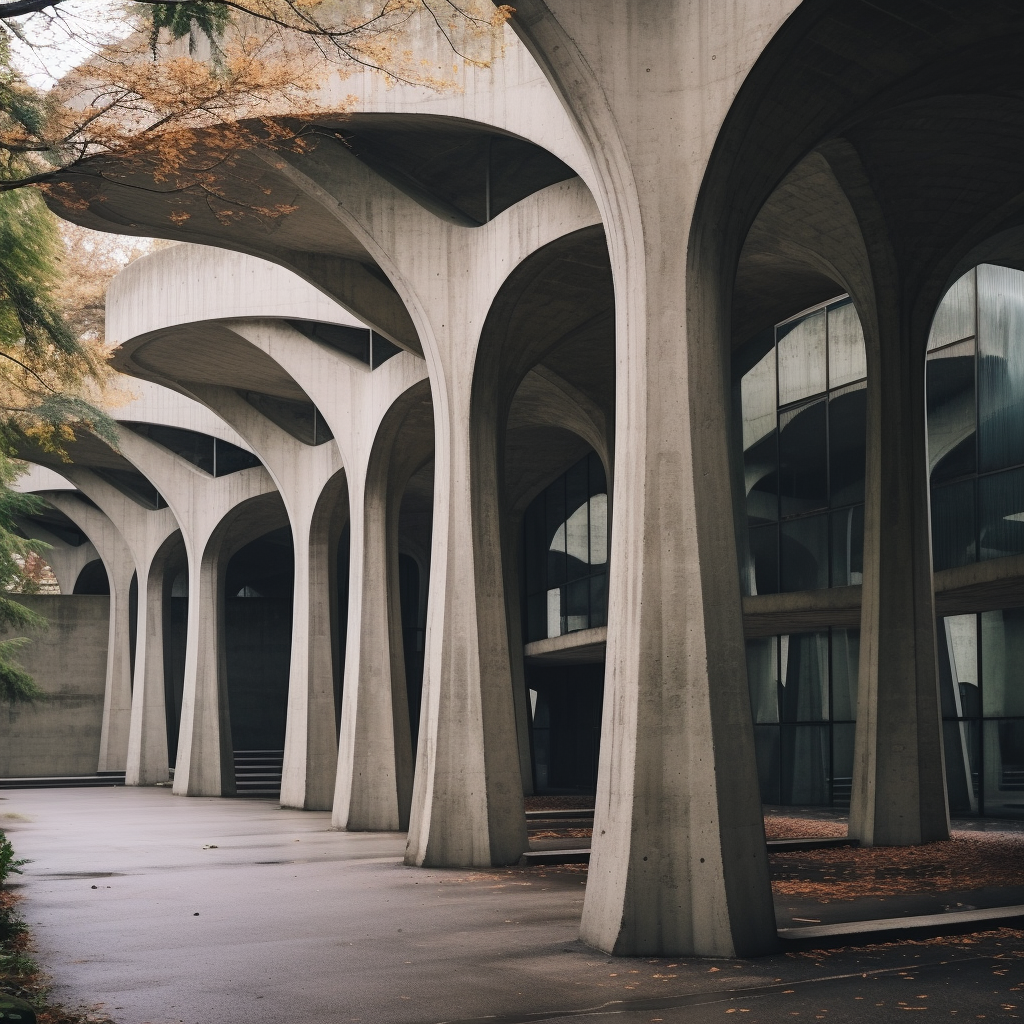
(804, 673)
(801, 346)
(565, 553)
(1002, 646)
(1001, 514)
(951, 412)
(845, 667)
(1003, 759)
(960, 741)
(803, 547)
(953, 541)
(803, 459)
(954, 319)
(757, 395)
(767, 753)
(843, 740)
(763, 678)
(847, 357)
(848, 547)
(1000, 367)
(847, 443)
(806, 763)
(764, 554)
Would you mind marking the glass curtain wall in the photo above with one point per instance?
(981, 674)
(803, 407)
(803, 696)
(975, 380)
(975, 377)
(565, 553)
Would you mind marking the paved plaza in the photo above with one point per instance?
(216, 911)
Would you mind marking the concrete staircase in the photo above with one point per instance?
(258, 772)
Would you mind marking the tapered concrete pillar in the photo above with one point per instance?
(66, 560)
(899, 780)
(374, 783)
(120, 565)
(312, 484)
(147, 741)
(146, 533)
(679, 863)
(217, 516)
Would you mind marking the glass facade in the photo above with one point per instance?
(565, 553)
(975, 378)
(803, 407)
(981, 675)
(803, 697)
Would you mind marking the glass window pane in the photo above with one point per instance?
(847, 357)
(954, 319)
(535, 547)
(845, 666)
(801, 345)
(1002, 660)
(805, 765)
(1004, 768)
(599, 600)
(803, 459)
(577, 542)
(843, 739)
(599, 529)
(766, 750)
(555, 612)
(761, 479)
(960, 633)
(804, 671)
(848, 547)
(953, 525)
(1001, 513)
(847, 444)
(595, 468)
(951, 412)
(1000, 367)
(764, 554)
(537, 617)
(960, 741)
(763, 678)
(577, 606)
(554, 521)
(804, 554)
(758, 400)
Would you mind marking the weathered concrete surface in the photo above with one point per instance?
(299, 923)
(59, 736)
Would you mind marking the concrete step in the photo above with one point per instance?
(581, 814)
(65, 781)
(822, 843)
(892, 929)
(533, 858)
(258, 772)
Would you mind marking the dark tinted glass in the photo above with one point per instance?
(803, 459)
(230, 458)
(804, 695)
(804, 554)
(554, 521)
(805, 764)
(847, 426)
(1001, 514)
(1004, 767)
(764, 552)
(598, 600)
(1001, 367)
(848, 547)
(761, 473)
(951, 412)
(766, 750)
(953, 540)
(763, 678)
(960, 741)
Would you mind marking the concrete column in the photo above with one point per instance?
(217, 517)
(679, 864)
(899, 779)
(365, 411)
(146, 532)
(120, 566)
(312, 485)
(147, 741)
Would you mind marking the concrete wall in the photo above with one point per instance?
(59, 736)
